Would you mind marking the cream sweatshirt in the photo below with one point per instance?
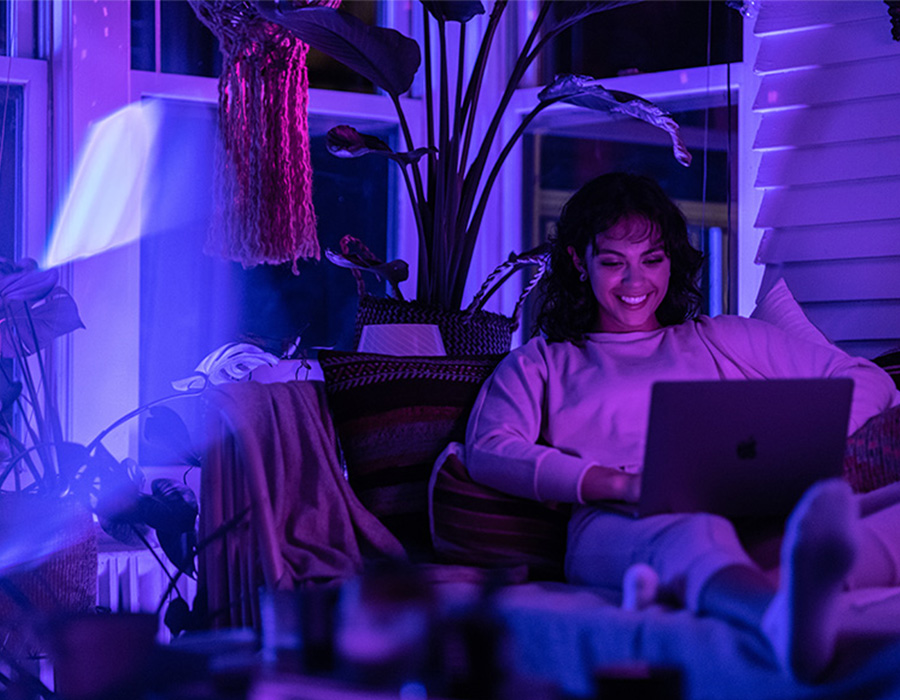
(550, 411)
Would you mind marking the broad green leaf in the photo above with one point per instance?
(346, 142)
(395, 271)
(72, 457)
(165, 429)
(123, 530)
(384, 56)
(9, 392)
(49, 319)
(27, 283)
(454, 10)
(180, 548)
(589, 93)
(171, 508)
(118, 499)
(102, 462)
(178, 617)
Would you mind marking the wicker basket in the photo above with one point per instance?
(472, 331)
(65, 582)
(463, 332)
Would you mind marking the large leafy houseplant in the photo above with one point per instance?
(450, 177)
(42, 473)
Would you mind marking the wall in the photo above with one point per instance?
(823, 126)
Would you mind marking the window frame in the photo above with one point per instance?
(31, 75)
(676, 90)
(73, 112)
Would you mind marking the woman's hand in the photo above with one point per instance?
(608, 484)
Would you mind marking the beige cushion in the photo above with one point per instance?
(780, 308)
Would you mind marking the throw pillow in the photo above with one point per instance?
(475, 525)
(780, 308)
(872, 456)
(394, 416)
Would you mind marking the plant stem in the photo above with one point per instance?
(489, 183)
(41, 439)
(51, 414)
(429, 106)
(28, 380)
(419, 202)
(223, 529)
(172, 581)
(32, 434)
(445, 169)
(417, 211)
(474, 91)
(172, 586)
(463, 260)
(458, 118)
(136, 412)
(22, 455)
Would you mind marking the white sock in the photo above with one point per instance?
(816, 555)
(639, 587)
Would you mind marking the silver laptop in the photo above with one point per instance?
(742, 448)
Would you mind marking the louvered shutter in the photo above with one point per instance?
(828, 147)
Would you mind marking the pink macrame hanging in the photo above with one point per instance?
(264, 211)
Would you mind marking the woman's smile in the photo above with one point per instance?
(628, 270)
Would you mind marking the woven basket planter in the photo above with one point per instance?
(472, 331)
(463, 332)
(62, 583)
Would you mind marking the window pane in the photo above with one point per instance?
(189, 47)
(192, 303)
(564, 159)
(4, 26)
(11, 190)
(143, 30)
(646, 37)
(328, 74)
(11, 185)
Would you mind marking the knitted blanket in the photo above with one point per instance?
(272, 456)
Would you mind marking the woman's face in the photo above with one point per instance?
(628, 271)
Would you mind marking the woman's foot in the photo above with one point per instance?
(816, 555)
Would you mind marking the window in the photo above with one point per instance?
(562, 159)
(11, 170)
(647, 37)
(666, 52)
(191, 303)
(187, 47)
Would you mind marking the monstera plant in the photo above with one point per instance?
(450, 177)
(48, 482)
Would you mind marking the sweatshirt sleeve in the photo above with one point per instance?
(502, 439)
(765, 351)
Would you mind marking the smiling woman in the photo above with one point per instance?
(564, 419)
(628, 271)
(621, 234)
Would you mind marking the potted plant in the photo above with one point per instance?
(51, 488)
(49, 545)
(451, 176)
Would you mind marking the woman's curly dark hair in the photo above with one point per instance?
(567, 306)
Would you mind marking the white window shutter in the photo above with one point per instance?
(827, 108)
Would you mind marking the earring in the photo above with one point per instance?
(583, 276)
